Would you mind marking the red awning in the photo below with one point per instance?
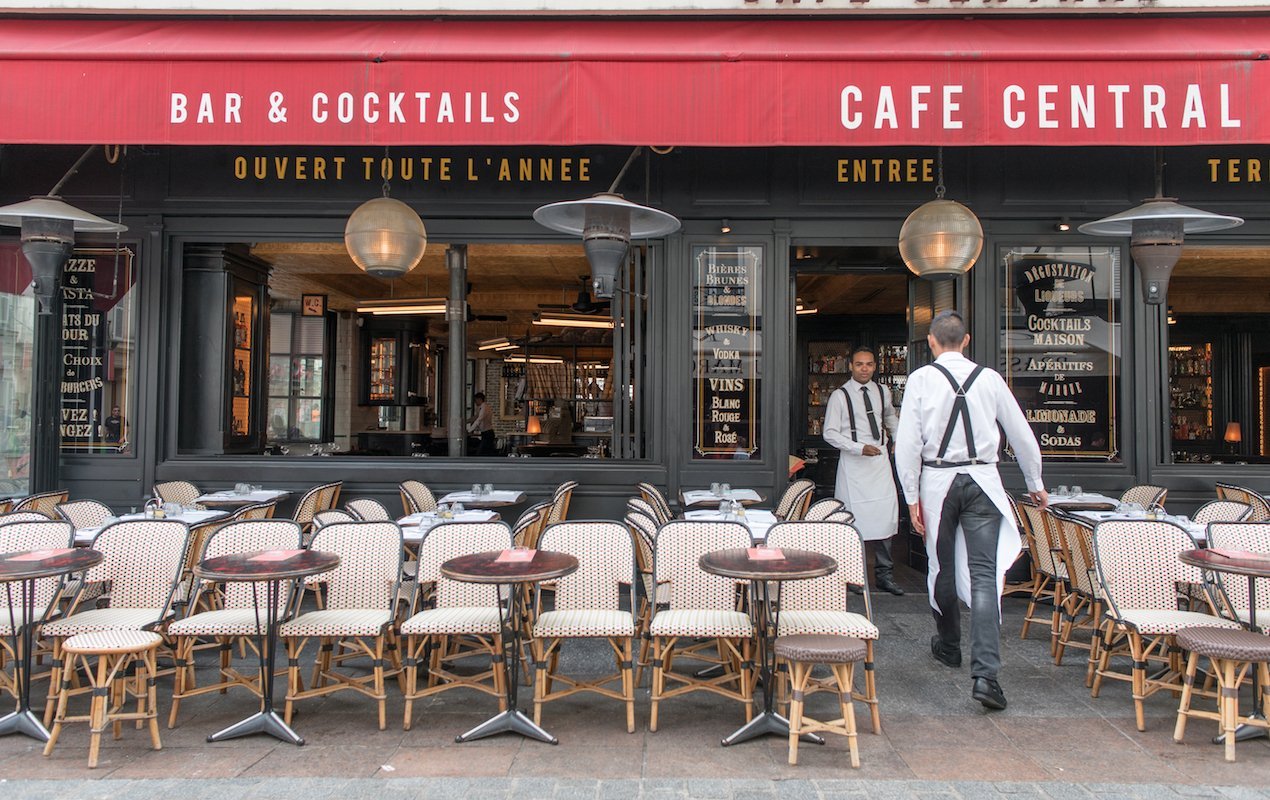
(1085, 81)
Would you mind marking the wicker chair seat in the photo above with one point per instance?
(453, 621)
(821, 649)
(338, 622)
(1228, 643)
(701, 622)
(1155, 622)
(115, 641)
(584, 623)
(221, 622)
(827, 623)
(103, 619)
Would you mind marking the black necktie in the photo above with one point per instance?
(868, 409)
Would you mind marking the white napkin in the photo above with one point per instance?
(468, 497)
(705, 495)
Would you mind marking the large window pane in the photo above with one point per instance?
(17, 331)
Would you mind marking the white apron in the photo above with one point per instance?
(934, 487)
(865, 486)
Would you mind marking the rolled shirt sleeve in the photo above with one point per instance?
(1019, 433)
(908, 441)
(837, 432)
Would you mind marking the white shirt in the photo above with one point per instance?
(482, 420)
(837, 430)
(928, 403)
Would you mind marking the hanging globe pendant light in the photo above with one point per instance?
(385, 237)
(941, 239)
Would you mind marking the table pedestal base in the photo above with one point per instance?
(765, 724)
(268, 722)
(1245, 732)
(510, 721)
(25, 723)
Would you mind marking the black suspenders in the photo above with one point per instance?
(959, 409)
(851, 411)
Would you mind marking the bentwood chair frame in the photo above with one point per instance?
(641, 506)
(1222, 511)
(180, 492)
(5, 506)
(650, 594)
(357, 620)
(587, 606)
(365, 509)
(1260, 506)
(1145, 495)
(560, 500)
(45, 503)
(530, 525)
(322, 497)
(654, 497)
(465, 619)
(1083, 604)
(1139, 571)
(42, 534)
(1048, 568)
(822, 510)
(232, 616)
(84, 513)
(796, 499)
(263, 510)
(820, 605)
(416, 497)
(701, 607)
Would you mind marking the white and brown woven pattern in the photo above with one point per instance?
(332, 515)
(530, 524)
(102, 619)
(1138, 566)
(605, 563)
(368, 510)
(453, 621)
(84, 513)
(45, 503)
(560, 502)
(1253, 537)
(644, 529)
(1260, 508)
(416, 497)
(337, 623)
(1228, 643)
(839, 541)
(1222, 511)
(451, 540)
(652, 495)
(112, 641)
(142, 560)
(370, 564)
(821, 509)
(245, 537)
(680, 545)
(1167, 621)
(223, 622)
(644, 507)
(1145, 495)
(841, 516)
(704, 623)
(1076, 539)
(23, 516)
(18, 537)
(820, 649)
(1040, 523)
(827, 621)
(584, 623)
(255, 511)
(182, 492)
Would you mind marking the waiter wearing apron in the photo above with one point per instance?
(946, 456)
(859, 421)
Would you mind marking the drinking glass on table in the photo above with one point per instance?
(476, 490)
(1077, 491)
(725, 489)
(714, 488)
(1061, 491)
(488, 488)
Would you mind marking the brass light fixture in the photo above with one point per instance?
(385, 237)
(941, 239)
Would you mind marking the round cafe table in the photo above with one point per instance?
(270, 567)
(495, 567)
(1219, 560)
(762, 573)
(26, 568)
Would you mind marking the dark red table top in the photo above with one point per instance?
(795, 566)
(1235, 562)
(46, 563)
(267, 565)
(486, 568)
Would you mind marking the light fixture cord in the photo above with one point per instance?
(383, 172)
(939, 180)
(629, 160)
(1159, 172)
(74, 168)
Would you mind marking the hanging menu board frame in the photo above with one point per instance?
(727, 351)
(1061, 342)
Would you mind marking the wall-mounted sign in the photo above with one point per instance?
(727, 351)
(1060, 337)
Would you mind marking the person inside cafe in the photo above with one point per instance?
(860, 421)
(482, 424)
(946, 454)
(113, 426)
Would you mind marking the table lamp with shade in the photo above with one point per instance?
(1233, 437)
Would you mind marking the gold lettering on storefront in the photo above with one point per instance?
(886, 170)
(412, 169)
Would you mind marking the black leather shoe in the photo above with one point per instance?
(948, 656)
(855, 589)
(988, 692)
(891, 586)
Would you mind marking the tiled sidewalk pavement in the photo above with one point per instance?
(1053, 741)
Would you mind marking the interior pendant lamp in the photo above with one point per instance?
(607, 222)
(385, 237)
(1156, 231)
(941, 239)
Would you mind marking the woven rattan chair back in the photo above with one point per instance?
(245, 537)
(529, 525)
(653, 496)
(255, 511)
(330, 517)
(1076, 539)
(643, 530)
(679, 547)
(841, 516)
(45, 534)
(367, 510)
(1260, 508)
(181, 492)
(6, 506)
(416, 497)
(23, 516)
(1041, 523)
(1222, 511)
(839, 541)
(1138, 566)
(370, 564)
(45, 503)
(644, 507)
(451, 540)
(793, 503)
(142, 559)
(1145, 495)
(84, 513)
(605, 563)
(1253, 537)
(822, 509)
(560, 500)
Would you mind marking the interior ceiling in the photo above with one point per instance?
(851, 280)
(1221, 280)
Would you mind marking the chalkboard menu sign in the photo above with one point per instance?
(97, 342)
(1060, 338)
(726, 330)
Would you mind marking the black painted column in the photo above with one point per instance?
(46, 397)
(456, 314)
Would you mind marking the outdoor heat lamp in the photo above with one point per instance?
(1156, 230)
(48, 233)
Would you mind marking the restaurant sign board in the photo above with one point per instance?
(727, 351)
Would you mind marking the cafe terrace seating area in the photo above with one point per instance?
(705, 607)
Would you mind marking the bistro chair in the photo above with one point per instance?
(1082, 606)
(15, 537)
(643, 532)
(822, 509)
(180, 492)
(465, 614)
(1260, 507)
(84, 513)
(560, 502)
(802, 654)
(794, 502)
(1222, 511)
(642, 506)
(530, 525)
(320, 498)
(330, 517)
(588, 606)
(142, 561)
(366, 510)
(842, 515)
(653, 496)
(1041, 586)
(45, 503)
(361, 597)
(1233, 654)
(1139, 571)
(415, 497)
(701, 607)
(1049, 564)
(5, 506)
(23, 516)
(1232, 590)
(1145, 495)
(819, 606)
(255, 511)
(233, 617)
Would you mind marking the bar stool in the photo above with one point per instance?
(115, 650)
(803, 652)
(1233, 653)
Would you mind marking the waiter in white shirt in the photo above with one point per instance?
(859, 421)
(946, 455)
(482, 424)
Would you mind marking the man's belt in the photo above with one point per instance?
(939, 463)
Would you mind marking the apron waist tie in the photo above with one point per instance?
(939, 463)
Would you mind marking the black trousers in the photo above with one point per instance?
(980, 522)
(883, 562)
(487, 444)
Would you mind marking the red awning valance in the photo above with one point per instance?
(1122, 81)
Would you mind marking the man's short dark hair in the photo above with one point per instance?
(862, 349)
(479, 396)
(948, 328)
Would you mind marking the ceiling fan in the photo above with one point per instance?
(583, 305)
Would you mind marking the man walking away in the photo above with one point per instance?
(946, 455)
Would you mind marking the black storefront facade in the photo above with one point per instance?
(1100, 385)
